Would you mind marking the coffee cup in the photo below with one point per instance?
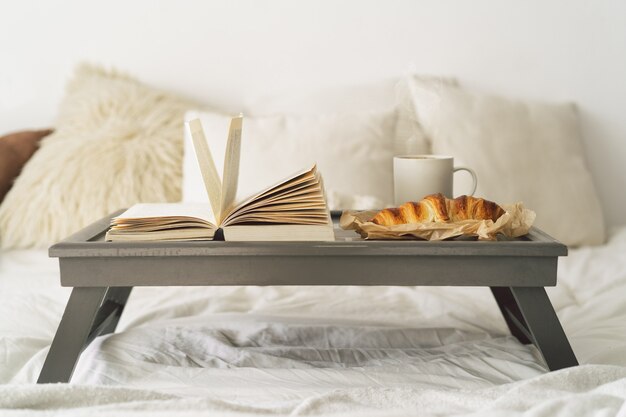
(416, 176)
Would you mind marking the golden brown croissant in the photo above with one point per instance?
(437, 208)
(472, 208)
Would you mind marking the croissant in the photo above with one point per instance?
(437, 208)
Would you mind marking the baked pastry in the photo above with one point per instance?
(437, 208)
(472, 208)
(431, 208)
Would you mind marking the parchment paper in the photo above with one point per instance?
(515, 222)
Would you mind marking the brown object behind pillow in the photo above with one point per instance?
(15, 150)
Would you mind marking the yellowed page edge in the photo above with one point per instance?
(255, 196)
(277, 233)
(309, 197)
(300, 177)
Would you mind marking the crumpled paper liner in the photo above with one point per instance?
(517, 221)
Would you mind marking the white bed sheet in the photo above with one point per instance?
(263, 345)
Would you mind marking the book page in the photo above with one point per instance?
(166, 221)
(166, 211)
(207, 166)
(298, 200)
(161, 235)
(262, 221)
(230, 175)
(300, 176)
(280, 232)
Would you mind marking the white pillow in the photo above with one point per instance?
(352, 150)
(521, 151)
(377, 96)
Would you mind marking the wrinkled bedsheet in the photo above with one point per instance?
(259, 347)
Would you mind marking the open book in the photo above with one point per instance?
(292, 209)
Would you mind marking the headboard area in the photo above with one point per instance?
(235, 56)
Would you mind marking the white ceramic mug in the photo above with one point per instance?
(416, 176)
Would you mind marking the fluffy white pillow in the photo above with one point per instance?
(117, 142)
(352, 150)
(521, 151)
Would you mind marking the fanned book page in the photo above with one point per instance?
(293, 209)
(210, 177)
(163, 222)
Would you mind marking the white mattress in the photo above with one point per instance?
(263, 345)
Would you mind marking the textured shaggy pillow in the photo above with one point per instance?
(521, 151)
(117, 142)
(15, 150)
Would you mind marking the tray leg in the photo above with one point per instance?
(512, 314)
(531, 318)
(90, 312)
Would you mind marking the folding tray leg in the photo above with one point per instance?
(531, 319)
(90, 312)
(511, 313)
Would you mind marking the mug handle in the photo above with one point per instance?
(474, 177)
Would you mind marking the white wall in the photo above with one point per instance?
(220, 52)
